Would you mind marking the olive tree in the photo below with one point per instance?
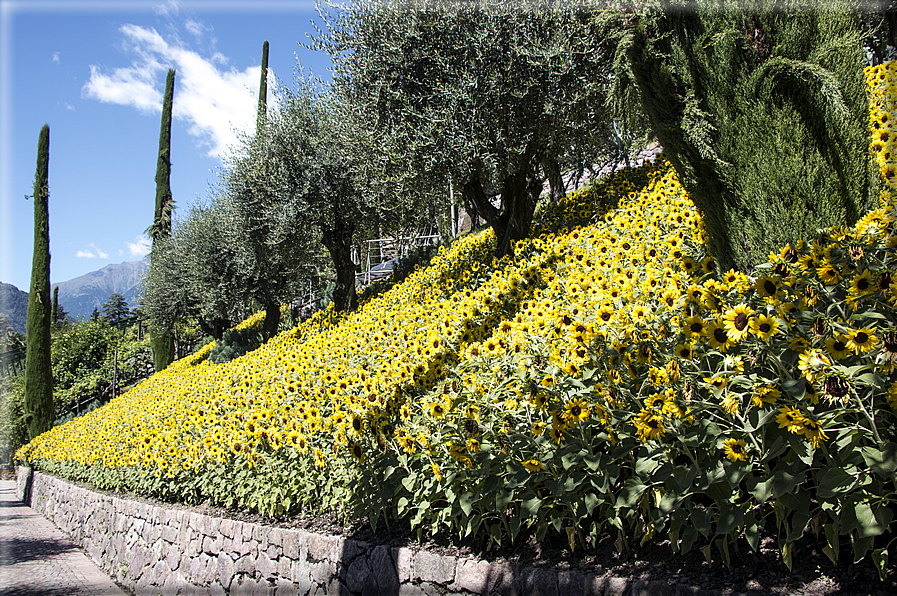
(496, 97)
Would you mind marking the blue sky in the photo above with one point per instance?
(95, 72)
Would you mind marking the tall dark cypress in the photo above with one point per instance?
(38, 371)
(272, 305)
(54, 317)
(161, 337)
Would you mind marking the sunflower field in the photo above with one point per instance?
(606, 379)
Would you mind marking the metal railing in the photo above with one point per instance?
(388, 251)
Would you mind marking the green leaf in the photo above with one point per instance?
(882, 461)
(700, 520)
(591, 501)
(593, 462)
(783, 481)
(880, 560)
(761, 490)
(630, 493)
(835, 481)
(873, 379)
(730, 517)
(752, 531)
(502, 498)
(530, 507)
(466, 502)
(871, 523)
(796, 388)
(688, 539)
(834, 541)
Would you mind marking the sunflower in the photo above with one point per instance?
(533, 465)
(765, 395)
(694, 327)
(812, 430)
(683, 351)
(792, 419)
(862, 340)
(829, 274)
(717, 382)
(861, 284)
(768, 288)
(648, 426)
(736, 321)
(357, 452)
(764, 326)
(438, 410)
(576, 410)
(735, 449)
(812, 362)
(836, 346)
(718, 337)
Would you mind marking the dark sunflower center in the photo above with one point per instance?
(696, 327)
(863, 284)
(720, 335)
(653, 423)
(736, 449)
(575, 411)
(861, 338)
(741, 321)
(839, 346)
(764, 327)
(769, 287)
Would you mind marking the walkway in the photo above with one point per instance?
(37, 559)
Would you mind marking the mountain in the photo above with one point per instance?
(81, 295)
(14, 304)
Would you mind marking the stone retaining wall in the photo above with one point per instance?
(154, 550)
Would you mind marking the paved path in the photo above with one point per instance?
(37, 559)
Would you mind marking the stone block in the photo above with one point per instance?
(616, 586)
(431, 567)
(210, 545)
(245, 587)
(404, 557)
(539, 582)
(322, 572)
(318, 547)
(275, 537)
(286, 588)
(350, 550)
(384, 570)
(594, 584)
(136, 563)
(410, 590)
(571, 583)
(225, 570)
(173, 557)
(245, 565)
(650, 588)
(501, 578)
(169, 534)
(273, 552)
(357, 574)
(290, 544)
(226, 528)
(265, 567)
(472, 575)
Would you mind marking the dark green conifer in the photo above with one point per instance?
(161, 337)
(38, 369)
(54, 317)
(761, 108)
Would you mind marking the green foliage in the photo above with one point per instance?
(13, 430)
(38, 373)
(761, 110)
(84, 360)
(234, 343)
(116, 310)
(495, 97)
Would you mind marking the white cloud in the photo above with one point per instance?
(89, 254)
(55, 56)
(140, 247)
(214, 101)
(171, 7)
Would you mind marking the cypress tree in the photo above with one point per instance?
(38, 369)
(761, 108)
(54, 317)
(272, 305)
(161, 337)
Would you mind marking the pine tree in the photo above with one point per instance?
(161, 338)
(762, 111)
(38, 369)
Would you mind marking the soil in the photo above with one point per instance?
(752, 573)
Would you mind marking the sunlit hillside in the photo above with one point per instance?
(605, 378)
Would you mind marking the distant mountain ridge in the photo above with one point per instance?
(79, 296)
(14, 304)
